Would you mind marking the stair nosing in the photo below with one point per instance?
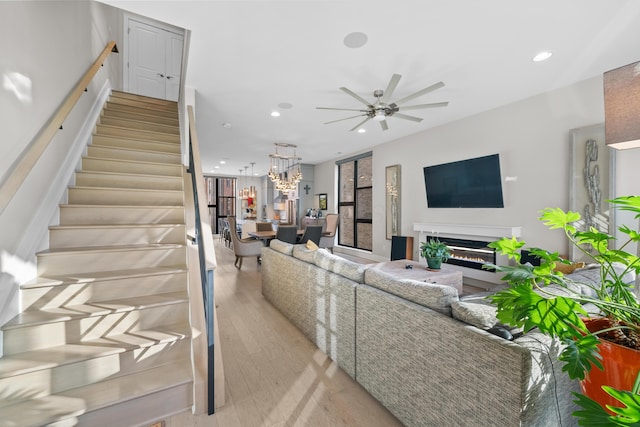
(137, 140)
(124, 126)
(86, 205)
(126, 189)
(86, 249)
(113, 226)
(133, 175)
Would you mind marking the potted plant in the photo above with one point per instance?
(540, 296)
(435, 252)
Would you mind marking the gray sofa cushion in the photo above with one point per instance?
(431, 295)
(280, 246)
(482, 316)
(344, 267)
(303, 253)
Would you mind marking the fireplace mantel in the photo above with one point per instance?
(468, 230)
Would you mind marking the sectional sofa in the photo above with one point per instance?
(417, 347)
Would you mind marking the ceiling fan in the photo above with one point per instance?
(382, 108)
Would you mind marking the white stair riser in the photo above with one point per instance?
(124, 196)
(127, 154)
(112, 236)
(106, 165)
(65, 377)
(131, 123)
(104, 179)
(36, 337)
(58, 264)
(140, 117)
(136, 134)
(114, 141)
(88, 215)
(49, 297)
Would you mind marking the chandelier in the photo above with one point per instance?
(285, 169)
(247, 192)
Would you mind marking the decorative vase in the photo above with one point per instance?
(434, 263)
(621, 366)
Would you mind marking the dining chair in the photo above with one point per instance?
(329, 236)
(264, 226)
(313, 233)
(287, 233)
(243, 247)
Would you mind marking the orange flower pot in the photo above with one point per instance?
(621, 367)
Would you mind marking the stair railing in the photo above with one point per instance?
(203, 238)
(20, 169)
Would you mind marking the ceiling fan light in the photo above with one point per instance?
(380, 116)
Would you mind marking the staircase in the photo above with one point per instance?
(104, 335)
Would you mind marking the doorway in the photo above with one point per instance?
(154, 59)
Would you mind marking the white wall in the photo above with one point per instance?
(48, 47)
(532, 138)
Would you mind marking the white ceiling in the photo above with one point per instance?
(247, 57)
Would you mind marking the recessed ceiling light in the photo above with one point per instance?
(355, 40)
(285, 105)
(226, 125)
(222, 162)
(542, 56)
(216, 167)
(361, 130)
(275, 114)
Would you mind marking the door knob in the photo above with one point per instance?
(161, 75)
(169, 77)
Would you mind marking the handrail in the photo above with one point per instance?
(204, 240)
(20, 169)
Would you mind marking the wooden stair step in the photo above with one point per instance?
(115, 141)
(64, 314)
(121, 153)
(52, 357)
(118, 106)
(95, 287)
(66, 236)
(145, 135)
(130, 166)
(120, 214)
(79, 404)
(141, 116)
(124, 196)
(128, 180)
(117, 95)
(77, 260)
(131, 123)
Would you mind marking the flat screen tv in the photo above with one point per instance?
(471, 183)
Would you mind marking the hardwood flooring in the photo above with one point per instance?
(275, 377)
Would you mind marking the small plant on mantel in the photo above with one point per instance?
(435, 252)
(539, 296)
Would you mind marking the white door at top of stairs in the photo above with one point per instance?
(154, 60)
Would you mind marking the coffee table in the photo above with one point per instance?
(447, 275)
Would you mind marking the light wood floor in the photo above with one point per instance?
(275, 376)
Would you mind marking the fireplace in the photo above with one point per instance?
(469, 253)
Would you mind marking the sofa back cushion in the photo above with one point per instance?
(303, 253)
(344, 267)
(431, 295)
(280, 246)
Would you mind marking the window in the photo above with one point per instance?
(355, 183)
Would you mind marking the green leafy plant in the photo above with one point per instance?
(434, 248)
(529, 302)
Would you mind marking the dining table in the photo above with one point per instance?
(268, 235)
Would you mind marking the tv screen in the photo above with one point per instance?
(472, 183)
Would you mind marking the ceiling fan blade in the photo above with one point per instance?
(404, 116)
(340, 109)
(420, 93)
(346, 118)
(383, 125)
(356, 96)
(420, 106)
(360, 124)
(390, 88)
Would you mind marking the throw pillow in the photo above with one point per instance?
(311, 245)
(568, 268)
